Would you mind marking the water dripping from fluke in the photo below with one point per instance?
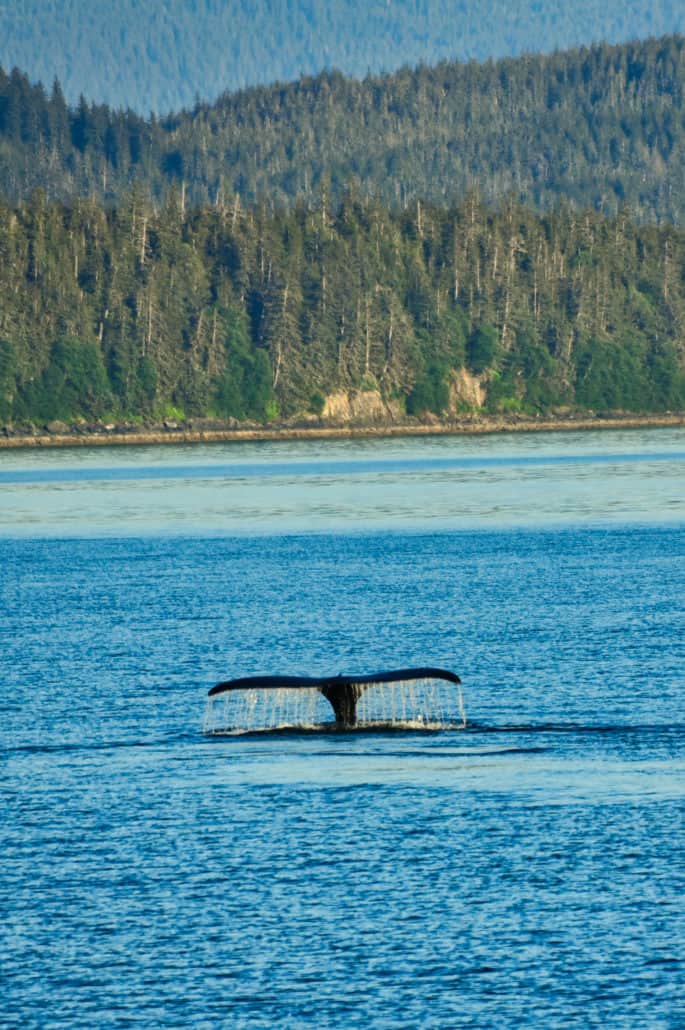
(402, 699)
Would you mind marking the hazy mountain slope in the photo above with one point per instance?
(160, 55)
(604, 127)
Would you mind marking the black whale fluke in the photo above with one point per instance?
(341, 692)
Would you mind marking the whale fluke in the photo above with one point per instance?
(341, 692)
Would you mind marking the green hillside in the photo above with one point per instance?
(109, 313)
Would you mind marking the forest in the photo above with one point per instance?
(503, 237)
(603, 127)
(160, 55)
(230, 311)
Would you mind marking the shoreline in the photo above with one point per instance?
(473, 426)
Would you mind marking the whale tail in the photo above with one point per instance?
(425, 697)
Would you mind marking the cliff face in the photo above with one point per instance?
(359, 407)
(467, 391)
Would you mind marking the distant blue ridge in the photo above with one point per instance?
(312, 468)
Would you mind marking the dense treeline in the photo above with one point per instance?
(162, 54)
(227, 311)
(603, 127)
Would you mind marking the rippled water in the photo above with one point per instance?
(525, 872)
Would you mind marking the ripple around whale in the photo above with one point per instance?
(465, 732)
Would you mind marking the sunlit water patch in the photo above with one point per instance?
(296, 486)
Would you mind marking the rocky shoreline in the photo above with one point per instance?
(57, 434)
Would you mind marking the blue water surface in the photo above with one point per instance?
(525, 872)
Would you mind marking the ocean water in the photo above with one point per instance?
(527, 871)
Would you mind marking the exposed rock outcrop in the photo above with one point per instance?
(359, 406)
(467, 390)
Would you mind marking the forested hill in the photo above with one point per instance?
(161, 54)
(604, 127)
(108, 313)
